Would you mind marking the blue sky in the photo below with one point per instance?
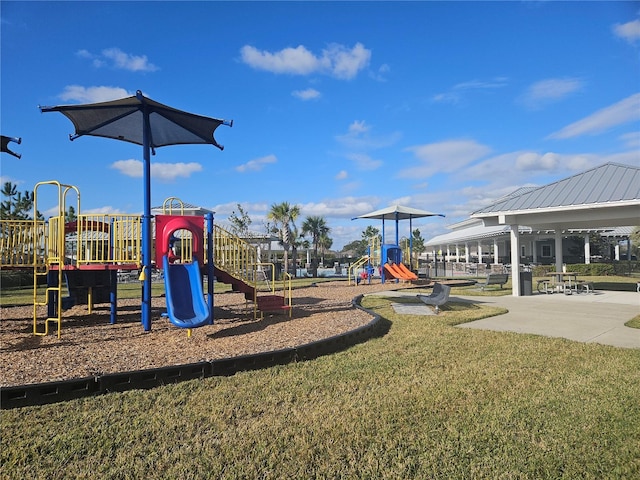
(341, 108)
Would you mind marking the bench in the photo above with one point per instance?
(586, 287)
(438, 297)
(495, 279)
(544, 286)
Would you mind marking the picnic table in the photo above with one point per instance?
(566, 282)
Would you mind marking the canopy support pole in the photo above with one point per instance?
(146, 224)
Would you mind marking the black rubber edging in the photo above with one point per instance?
(64, 390)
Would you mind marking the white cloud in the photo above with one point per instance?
(520, 167)
(81, 94)
(344, 63)
(447, 156)
(358, 126)
(631, 139)
(456, 93)
(629, 31)
(230, 207)
(364, 161)
(497, 82)
(308, 94)
(358, 137)
(346, 207)
(624, 111)
(106, 209)
(342, 175)
(550, 90)
(380, 74)
(118, 59)
(160, 171)
(337, 60)
(257, 164)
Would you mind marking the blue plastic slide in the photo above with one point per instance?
(186, 305)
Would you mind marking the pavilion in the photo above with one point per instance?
(604, 199)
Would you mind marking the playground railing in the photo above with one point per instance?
(375, 251)
(97, 238)
(355, 266)
(234, 255)
(22, 243)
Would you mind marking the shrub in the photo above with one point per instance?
(13, 279)
(592, 269)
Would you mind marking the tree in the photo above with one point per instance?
(240, 224)
(70, 215)
(358, 247)
(370, 233)
(418, 245)
(324, 243)
(317, 228)
(284, 216)
(17, 206)
(635, 241)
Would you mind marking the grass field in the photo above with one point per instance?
(425, 400)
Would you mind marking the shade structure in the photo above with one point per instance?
(5, 145)
(397, 213)
(140, 120)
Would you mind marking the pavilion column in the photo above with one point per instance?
(515, 260)
(587, 250)
(629, 248)
(457, 253)
(448, 253)
(558, 246)
(479, 252)
(466, 252)
(496, 255)
(616, 249)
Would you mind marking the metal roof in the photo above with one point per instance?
(606, 184)
(176, 208)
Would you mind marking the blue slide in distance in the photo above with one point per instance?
(186, 305)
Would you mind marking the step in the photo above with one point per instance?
(272, 302)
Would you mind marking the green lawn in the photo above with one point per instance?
(425, 400)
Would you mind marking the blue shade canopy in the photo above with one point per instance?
(145, 122)
(124, 119)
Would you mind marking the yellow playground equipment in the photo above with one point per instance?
(368, 262)
(80, 258)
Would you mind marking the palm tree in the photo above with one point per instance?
(284, 216)
(325, 244)
(317, 228)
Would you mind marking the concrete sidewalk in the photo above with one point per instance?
(597, 317)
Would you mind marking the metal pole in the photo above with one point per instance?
(210, 270)
(146, 224)
(410, 243)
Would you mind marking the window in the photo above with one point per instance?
(546, 250)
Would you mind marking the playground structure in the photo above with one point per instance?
(80, 261)
(389, 257)
(392, 268)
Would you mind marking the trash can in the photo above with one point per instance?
(526, 281)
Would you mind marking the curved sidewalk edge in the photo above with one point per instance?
(63, 390)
